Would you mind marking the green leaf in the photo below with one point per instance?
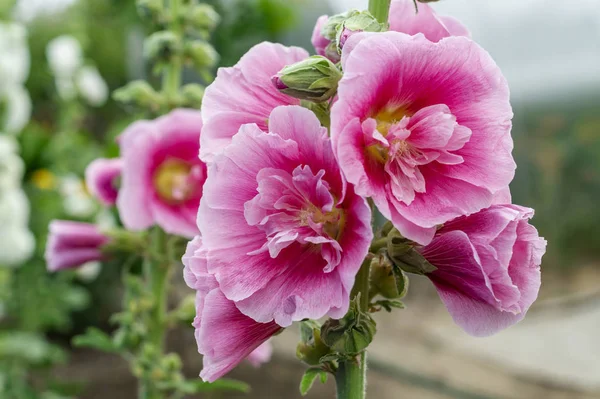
(96, 339)
(309, 377)
(29, 347)
(196, 386)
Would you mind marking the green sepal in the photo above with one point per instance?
(403, 254)
(351, 334)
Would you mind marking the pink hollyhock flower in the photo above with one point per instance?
(285, 236)
(224, 335)
(243, 94)
(261, 355)
(320, 42)
(403, 18)
(71, 244)
(101, 179)
(162, 177)
(488, 267)
(423, 128)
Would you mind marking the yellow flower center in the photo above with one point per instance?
(385, 118)
(171, 181)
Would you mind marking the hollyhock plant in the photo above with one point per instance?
(493, 275)
(423, 128)
(276, 203)
(224, 335)
(71, 244)
(162, 177)
(244, 94)
(101, 178)
(403, 17)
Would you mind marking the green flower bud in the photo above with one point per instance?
(139, 94)
(149, 9)
(192, 95)
(160, 46)
(314, 79)
(387, 280)
(351, 334)
(329, 30)
(202, 17)
(202, 54)
(403, 254)
(360, 22)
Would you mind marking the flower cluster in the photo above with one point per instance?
(16, 241)
(295, 155)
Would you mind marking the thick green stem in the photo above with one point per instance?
(380, 9)
(351, 376)
(172, 75)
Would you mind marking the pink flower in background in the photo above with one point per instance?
(320, 42)
(101, 178)
(244, 94)
(224, 335)
(261, 355)
(162, 177)
(403, 18)
(71, 244)
(284, 235)
(423, 128)
(488, 267)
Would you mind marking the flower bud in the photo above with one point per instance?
(192, 95)
(161, 46)
(314, 79)
(202, 17)
(202, 54)
(386, 280)
(351, 334)
(359, 22)
(140, 94)
(403, 254)
(149, 9)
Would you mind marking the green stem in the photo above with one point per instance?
(351, 376)
(172, 75)
(378, 244)
(380, 9)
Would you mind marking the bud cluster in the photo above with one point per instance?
(182, 39)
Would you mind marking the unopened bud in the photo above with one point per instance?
(402, 253)
(351, 334)
(202, 17)
(314, 79)
(161, 46)
(140, 94)
(192, 95)
(202, 54)
(359, 22)
(149, 9)
(387, 280)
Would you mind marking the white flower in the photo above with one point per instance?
(91, 86)
(14, 209)
(64, 56)
(76, 201)
(17, 108)
(11, 165)
(16, 245)
(14, 55)
(66, 88)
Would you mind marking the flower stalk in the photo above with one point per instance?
(380, 9)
